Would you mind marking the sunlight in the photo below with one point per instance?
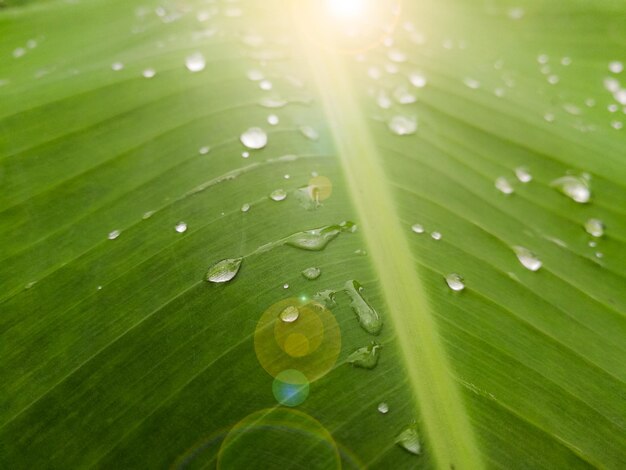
(345, 9)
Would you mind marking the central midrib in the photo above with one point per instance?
(443, 413)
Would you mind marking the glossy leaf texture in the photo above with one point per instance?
(228, 243)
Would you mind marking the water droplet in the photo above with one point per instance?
(592, 243)
(417, 228)
(195, 62)
(616, 66)
(254, 138)
(594, 227)
(503, 185)
(312, 273)
(523, 174)
(403, 96)
(409, 439)
(435, 235)
(403, 125)
(471, 83)
(245, 207)
(181, 227)
(289, 315)
(528, 259)
(255, 75)
(265, 85)
(148, 73)
(309, 132)
(397, 56)
(599, 255)
(114, 234)
(317, 239)
(418, 80)
(383, 408)
(455, 282)
(272, 120)
(326, 298)
(285, 286)
(245, 154)
(365, 357)
(368, 317)
(117, 66)
(204, 150)
(224, 270)
(278, 195)
(147, 215)
(272, 102)
(19, 52)
(574, 187)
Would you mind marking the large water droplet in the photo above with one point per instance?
(254, 138)
(195, 62)
(594, 227)
(224, 270)
(409, 439)
(574, 187)
(503, 185)
(455, 282)
(290, 314)
(383, 408)
(312, 273)
(528, 259)
(403, 125)
(278, 195)
(368, 317)
(365, 357)
(317, 239)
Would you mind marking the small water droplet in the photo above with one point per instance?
(224, 270)
(523, 174)
(312, 273)
(114, 234)
(599, 255)
(204, 150)
(278, 195)
(147, 215)
(285, 286)
(365, 357)
(290, 314)
(403, 125)
(574, 187)
(265, 85)
(272, 102)
(435, 235)
(417, 228)
(418, 80)
(455, 282)
(616, 66)
(254, 138)
(409, 439)
(195, 62)
(148, 73)
(117, 66)
(592, 243)
(272, 120)
(255, 75)
(594, 227)
(503, 185)
(368, 317)
(245, 207)
(181, 227)
(383, 407)
(19, 52)
(245, 154)
(309, 132)
(528, 259)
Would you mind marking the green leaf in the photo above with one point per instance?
(228, 229)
